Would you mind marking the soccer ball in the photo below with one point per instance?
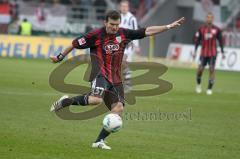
(112, 122)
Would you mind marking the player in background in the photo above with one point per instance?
(207, 35)
(107, 46)
(129, 21)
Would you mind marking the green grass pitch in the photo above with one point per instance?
(29, 131)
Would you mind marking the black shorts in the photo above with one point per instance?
(110, 93)
(211, 61)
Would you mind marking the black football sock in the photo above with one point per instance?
(199, 79)
(102, 135)
(210, 84)
(80, 100)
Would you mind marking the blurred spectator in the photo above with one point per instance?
(58, 9)
(25, 28)
(5, 16)
(101, 7)
(238, 24)
(40, 12)
(13, 27)
(14, 10)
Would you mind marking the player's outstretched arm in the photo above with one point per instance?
(153, 30)
(61, 56)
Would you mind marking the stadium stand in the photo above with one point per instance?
(72, 17)
(5, 16)
(69, 18)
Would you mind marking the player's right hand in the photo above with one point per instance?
(58, 58)
(54, 59)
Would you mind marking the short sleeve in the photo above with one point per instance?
(135, 34)
(84, 42)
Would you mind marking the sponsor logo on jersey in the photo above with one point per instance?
(111, 47)
(81, 41)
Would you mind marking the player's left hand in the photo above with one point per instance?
(177, 23)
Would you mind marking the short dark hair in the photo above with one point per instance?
(112, 14)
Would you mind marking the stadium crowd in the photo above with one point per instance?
(11, 10)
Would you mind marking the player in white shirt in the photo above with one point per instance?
(129, 21)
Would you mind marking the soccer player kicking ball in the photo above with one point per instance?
(107, 46)
(208, 35)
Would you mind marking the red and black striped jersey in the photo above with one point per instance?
(107, 50)
(207, 36)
